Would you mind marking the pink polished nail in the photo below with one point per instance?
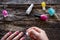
(17, 32)
(10, 32)
(23, 38)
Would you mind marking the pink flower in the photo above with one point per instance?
(5, 13)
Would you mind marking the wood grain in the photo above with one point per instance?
(31, 1)
(19, 20)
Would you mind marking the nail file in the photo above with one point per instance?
(28, 11)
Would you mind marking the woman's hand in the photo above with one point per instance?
(13, 36)
(34, 32)
(37, 33)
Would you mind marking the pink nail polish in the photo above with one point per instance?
(10, 32)
(17, 32)
(23, 38)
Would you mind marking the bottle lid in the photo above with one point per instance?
(43, 4)
(44, 17)
(51, 11)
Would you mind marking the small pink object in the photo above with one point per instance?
(44, 17)
(5, 13)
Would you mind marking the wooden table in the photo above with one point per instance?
(20, 22)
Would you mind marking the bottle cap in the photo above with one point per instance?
(51, 11)
(43, 17)
(43, 4)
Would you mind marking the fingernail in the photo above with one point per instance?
(23, 38)
(10, 32)
(21, 32)
(17, 32)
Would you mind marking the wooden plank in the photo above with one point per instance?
(31, 1)
(52, 27)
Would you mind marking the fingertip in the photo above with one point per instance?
(13, 35)
(21, 32)
(37, 29)
(6, 35)
(23, 38)
(10, 32)
(17, 32)
(28, 31)
(18, 36)
(34, 28)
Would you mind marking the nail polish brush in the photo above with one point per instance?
(42, 17)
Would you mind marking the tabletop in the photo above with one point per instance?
(20, 21)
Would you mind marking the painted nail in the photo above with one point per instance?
(17, 32)
(23, 38)
(9, 32)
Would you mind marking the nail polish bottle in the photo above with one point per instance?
(43, 4)
(42, 17)
(28, 11)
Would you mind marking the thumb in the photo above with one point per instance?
(35, 33)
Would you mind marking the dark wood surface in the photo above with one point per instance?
(31, 1)
(19, 21)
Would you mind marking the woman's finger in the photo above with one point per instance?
(13, 35)
(23, 38)
(36, 29)
(6, 36)
(34, 33)
(18, 36)
(33, 37)
(28, 30)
